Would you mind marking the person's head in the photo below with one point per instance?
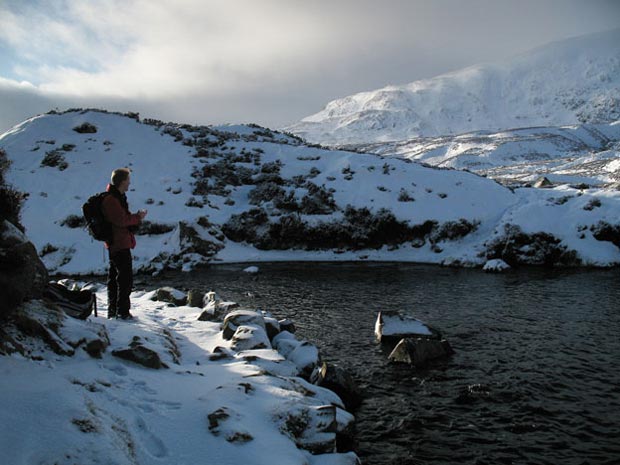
(120, 179)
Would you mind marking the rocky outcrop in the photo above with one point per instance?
(37, 321)
(22, 273)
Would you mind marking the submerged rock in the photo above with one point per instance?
(420, 351)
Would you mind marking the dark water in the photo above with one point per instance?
(535, 378)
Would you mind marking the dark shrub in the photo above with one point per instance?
(55, 159)
(516, 248)
(451, 230)
(592, 204)
(74, 221)
(403, 196)
(86, 128)
(604, 231)
(10, 199)
(266, 192)
(244, 227)
(318, 201)
(149, 228)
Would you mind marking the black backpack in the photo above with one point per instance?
(98, 227)
(76, 303)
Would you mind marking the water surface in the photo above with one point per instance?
(535, 378)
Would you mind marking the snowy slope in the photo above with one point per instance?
(224, 406)
(587, 153)
(567, 82)
(242, 193)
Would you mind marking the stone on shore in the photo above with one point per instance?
(238, 318)
(250, 337)
(170, 295)
(338, 380)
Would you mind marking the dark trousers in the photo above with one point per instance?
(120, 282)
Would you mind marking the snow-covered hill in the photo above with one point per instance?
(582, 154)
(245, 193)
(564, 83)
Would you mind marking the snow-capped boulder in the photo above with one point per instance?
(420, 351)
(251, 270)
(238, 318)
(391, 327)
(250, 337)
(305, 356)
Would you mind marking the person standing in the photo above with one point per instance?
(120, 274)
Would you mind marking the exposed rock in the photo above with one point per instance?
(391, 327)
(419, 351)
(250, 337)
(170, 295)
(195, 298)
(138, 353)
(543, 182)
(273, 327)
(22, 273)
(287, 325)
(337, 379)
(237, 318)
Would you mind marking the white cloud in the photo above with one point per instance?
(268, 61)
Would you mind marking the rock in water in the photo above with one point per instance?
(419, 351)
(392, 327)
(337, 379)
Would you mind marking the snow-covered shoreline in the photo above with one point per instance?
(213, 403)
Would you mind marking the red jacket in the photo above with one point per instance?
(116, 211)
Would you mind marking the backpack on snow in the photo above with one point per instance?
(98, 227)
(79, 303)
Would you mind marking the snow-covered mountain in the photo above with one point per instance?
(564, 83)
(582, 154)
(246, 193)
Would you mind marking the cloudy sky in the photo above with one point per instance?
(271, 62)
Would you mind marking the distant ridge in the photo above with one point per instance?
(566, 82)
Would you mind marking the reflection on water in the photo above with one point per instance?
(536, 376)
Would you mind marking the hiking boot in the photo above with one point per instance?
(111, 315)
(125, 316)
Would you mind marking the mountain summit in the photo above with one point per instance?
(566, 82)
